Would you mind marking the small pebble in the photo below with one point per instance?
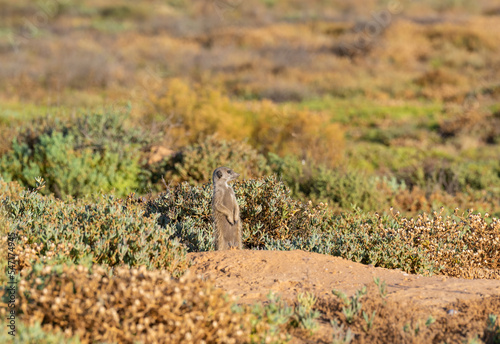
(452, 312)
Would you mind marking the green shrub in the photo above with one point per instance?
(431, 175)
(304, 313)
(269, 212)
(483, 175)
(341, 189)
(371, 157)
(110, 231)
(186, 210)
(269, 320)
(195, 163)
(78, 157)
(462, 247)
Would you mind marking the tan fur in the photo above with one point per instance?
(225, 210)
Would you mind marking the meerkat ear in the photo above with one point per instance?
(219, 174)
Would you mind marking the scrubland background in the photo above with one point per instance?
(358, 128)
(368, 104)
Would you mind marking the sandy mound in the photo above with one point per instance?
(250, 275)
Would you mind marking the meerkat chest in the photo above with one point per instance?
(229, 199)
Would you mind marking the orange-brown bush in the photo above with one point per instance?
(130, 305)
(469, 37)
(194, 113)
(8, 133)
(438, 77)
(11, 190)
(308, 135)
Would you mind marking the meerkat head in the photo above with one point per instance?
(224, 174)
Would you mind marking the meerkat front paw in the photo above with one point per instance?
(230, 220)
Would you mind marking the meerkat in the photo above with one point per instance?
(225, 210)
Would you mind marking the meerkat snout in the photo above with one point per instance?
(225, 210)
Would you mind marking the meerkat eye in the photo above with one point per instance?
(229, 172)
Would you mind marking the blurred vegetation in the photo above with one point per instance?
(345, 110)
(357, 127)
(195, 163)
(78, 157)
(192, 114)
(83, 156)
